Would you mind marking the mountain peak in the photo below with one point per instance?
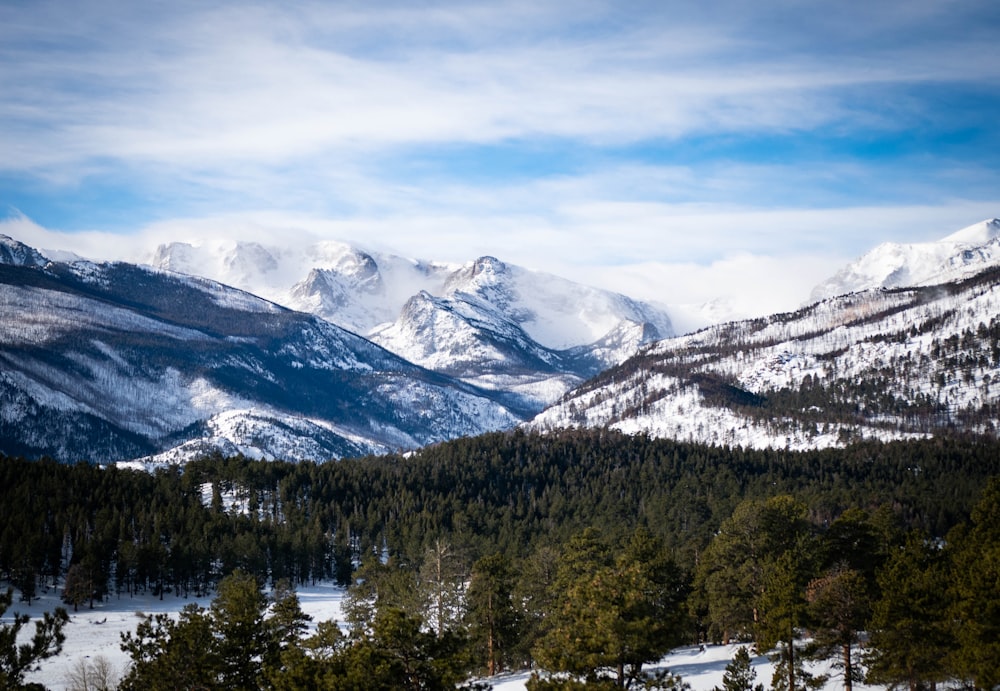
(897, 265)
(978, 233)
(18, 254)
(488, 265)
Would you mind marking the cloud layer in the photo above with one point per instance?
(589, 136)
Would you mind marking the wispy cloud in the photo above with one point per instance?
(668, 132)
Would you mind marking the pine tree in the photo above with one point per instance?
(612, 612)
(286, 624)
(16, 660)
(740, 674)
(975, 590)
(167, 654)
(492, 618)
(237, 617)
(442, 580)
(783, 613)
(78, 587)
(733, 569)
(910, 639)
(839, 607)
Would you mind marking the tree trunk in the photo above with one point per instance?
(848, 669)
(791, 664)
(491, 664)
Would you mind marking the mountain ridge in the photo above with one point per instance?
(113, 361)
(959, 255)
(877, 364)
(487, 322)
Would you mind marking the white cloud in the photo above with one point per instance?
(211, 88)
(264, 118)
(640, 250)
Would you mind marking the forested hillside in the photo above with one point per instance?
(713, 536)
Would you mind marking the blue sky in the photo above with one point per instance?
(674, 150)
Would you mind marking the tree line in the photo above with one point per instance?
(590, 553)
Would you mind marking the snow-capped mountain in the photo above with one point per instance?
(114, 361)
(874, 364)
(352, 288)
(489, 323)
(505, 328)
(894, 265)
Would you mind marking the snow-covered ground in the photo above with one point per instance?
(96, 632)
(93, 633)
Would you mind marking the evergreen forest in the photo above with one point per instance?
(588, 554)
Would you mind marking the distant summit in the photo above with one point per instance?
(16, 253)
(495, 325)
(895, 265)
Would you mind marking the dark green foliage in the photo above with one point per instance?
(16, 659)
(231, 645)
(911, 639)
(740, 675)
(239, 643)
(493, 621)
(758, 525)
(975, 591)
(744, 556)
(613, 609)
(401, 654)
(509, 493)
(167, 654)
(242, 639)
(839, 609)
(379, 587)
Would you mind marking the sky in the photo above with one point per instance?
(681, 152)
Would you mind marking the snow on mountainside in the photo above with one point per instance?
(18, 254)
(491, 324)
(113, 361)
(876, 364)
(894, 265)
(352, 288)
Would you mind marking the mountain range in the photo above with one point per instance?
(494, 325)
(881, 361)
(114, 361)
(329, 351)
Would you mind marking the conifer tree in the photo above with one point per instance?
(17, 659)
(733, 569)
(243, 641)
(442, 580)
(615, 613)
(493, 624)
(167, 654)
(839, 608)
(740, 674)
(910, 639)
(975, 590)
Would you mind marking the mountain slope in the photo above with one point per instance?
(526, 333)
(876, 364)
(894, 265)
(505, 328)
(113, 361)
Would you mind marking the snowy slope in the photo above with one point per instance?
(894, 265)
(350, 287)
(526, 333)
(114, 361)
(362, 289)
(505, 328)
(877, 364)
